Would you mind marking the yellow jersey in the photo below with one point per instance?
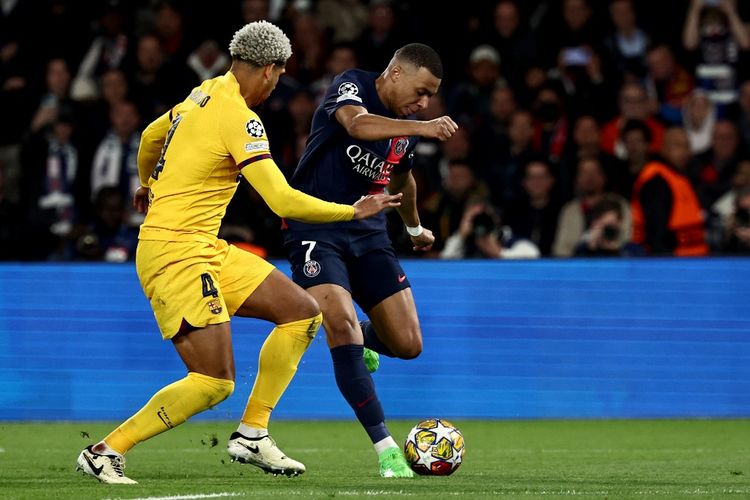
(191, 159)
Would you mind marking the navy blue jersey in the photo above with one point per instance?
(335, 166)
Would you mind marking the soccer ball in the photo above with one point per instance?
(434, 447)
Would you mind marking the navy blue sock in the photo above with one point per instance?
(372, 341)
(357, 387)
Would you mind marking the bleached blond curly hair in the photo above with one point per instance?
(260, 43)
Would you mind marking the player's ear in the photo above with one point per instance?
(268, 71)
(395, 72)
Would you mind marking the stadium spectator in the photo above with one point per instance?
(636, 140)
(115, 161)
(513, 40)
(634, 105)
(208, 61)
(626, 45)
(711, 172)
(723, 208)
(107, 51)
(504, 160)
(481, 234)
(169, 28)
(738, 240)
(53, 191)
(667, 216)
(109, 237)
(444, 210)
(309, 49)
(345, 19)
(699, 119)
(577, 29)
(156, 83)
(56, 97)
(551, 124)
(580, 81)
(607, 232)
(668, 83)
(577, 214)
(470, 101)
(380, 39)
(717, 33)
(533, 215)
(586, 143)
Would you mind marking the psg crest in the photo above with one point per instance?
(311, 268)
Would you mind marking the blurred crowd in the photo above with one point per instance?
(587, 127)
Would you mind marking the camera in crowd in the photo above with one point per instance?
(484, 224)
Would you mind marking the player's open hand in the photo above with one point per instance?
(372, 204)
(440, 128)
(140, 200)
(423, 242)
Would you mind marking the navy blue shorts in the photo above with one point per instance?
(362, 262)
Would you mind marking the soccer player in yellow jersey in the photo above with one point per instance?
(190, 162)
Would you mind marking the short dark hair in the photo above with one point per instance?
(637, 125)
(421, 56)
(608, 203)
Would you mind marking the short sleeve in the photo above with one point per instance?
(245, 137)
(346, 89)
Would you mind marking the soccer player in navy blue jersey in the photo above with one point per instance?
(362, 142)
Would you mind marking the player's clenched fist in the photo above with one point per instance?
(440, 128)
(369, 205)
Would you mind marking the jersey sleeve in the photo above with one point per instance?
(288, 202)
(346, 89)
(244, 137)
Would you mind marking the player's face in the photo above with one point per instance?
(413, 88)
(272, 79)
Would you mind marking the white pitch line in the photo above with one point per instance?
(187, 497)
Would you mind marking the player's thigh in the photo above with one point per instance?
(382, 290)
(181, 280)
(339, 317)
(280, 300)
(207, 350)
(397, 324)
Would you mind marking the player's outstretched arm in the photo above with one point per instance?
(290, 203)
(370, 127)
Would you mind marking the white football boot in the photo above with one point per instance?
(262, 452)
(105, 468)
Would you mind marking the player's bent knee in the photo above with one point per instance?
(341, 331)
(308, 307)
(214, 389)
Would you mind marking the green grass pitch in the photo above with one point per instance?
(530, 459)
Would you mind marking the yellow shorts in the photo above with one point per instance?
(200, 283)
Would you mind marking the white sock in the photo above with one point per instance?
(251, 432)
(384, 444)
(103, 448)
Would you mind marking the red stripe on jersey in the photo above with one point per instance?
(265, 156)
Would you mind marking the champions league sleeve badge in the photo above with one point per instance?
(254, 128)
(348, 91)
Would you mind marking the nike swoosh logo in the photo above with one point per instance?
(252, 449)
(360, 405)
(97, 470)
(401, 278)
